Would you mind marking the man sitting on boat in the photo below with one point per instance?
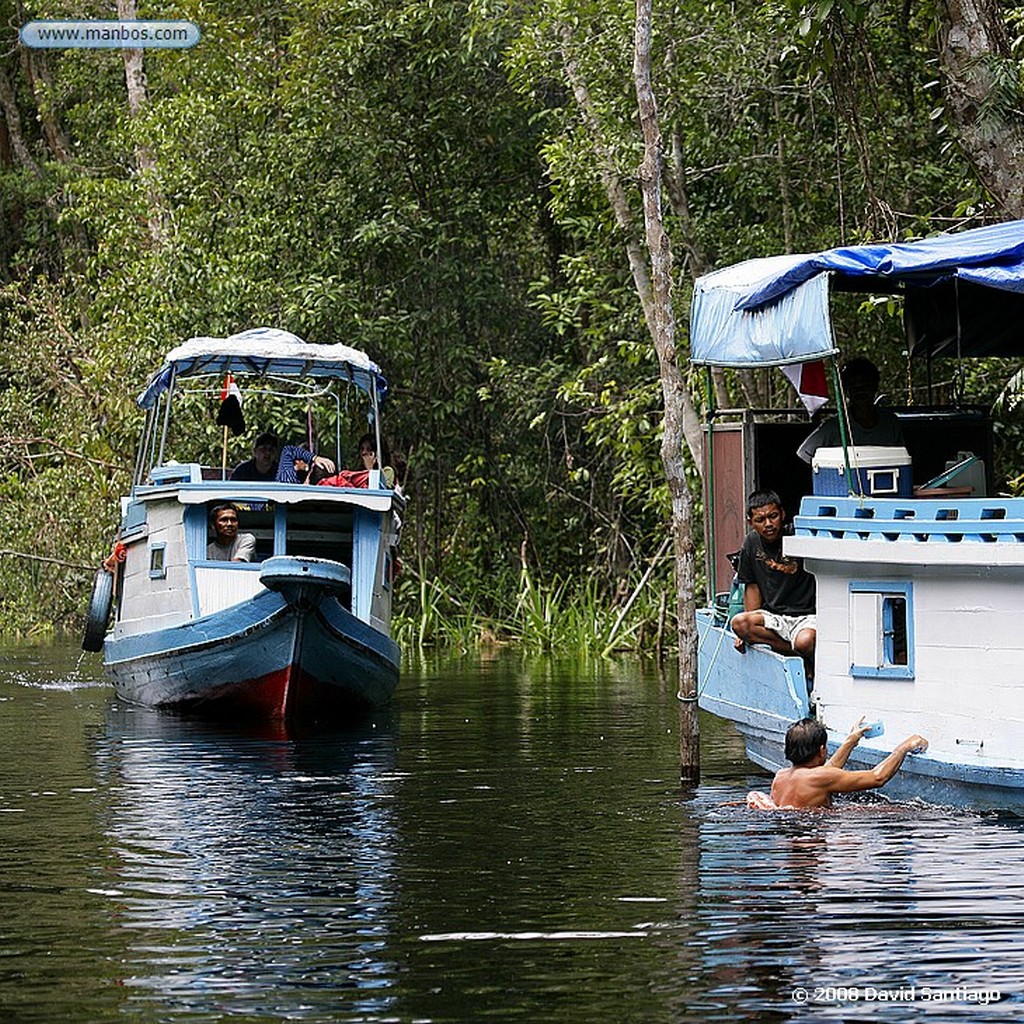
(228, 545)
(263, 464)
(870, 424)
(293, 465)
(814, 776)
(368, 461)
(778, 592)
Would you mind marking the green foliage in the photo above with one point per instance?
(417, 179)
(553, 616)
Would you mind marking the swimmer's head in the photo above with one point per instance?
(804, 739)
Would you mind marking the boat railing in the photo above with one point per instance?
(979, 520)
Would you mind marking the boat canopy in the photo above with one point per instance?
(265, 350)
(964, 295)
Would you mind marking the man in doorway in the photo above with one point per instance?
(228, 545)
(869, 424)
(778, 593)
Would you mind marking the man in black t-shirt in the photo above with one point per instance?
(263, 464)
(778, 593)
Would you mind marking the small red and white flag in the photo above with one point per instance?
(810, 383)
(230, 413)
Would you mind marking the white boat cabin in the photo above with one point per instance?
(168, 578)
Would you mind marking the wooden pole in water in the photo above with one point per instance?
(662, 326)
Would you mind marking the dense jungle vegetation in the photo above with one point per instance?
(449, 185)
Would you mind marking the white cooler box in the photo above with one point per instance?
(883, 472)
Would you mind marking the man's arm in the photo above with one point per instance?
(824, 435)
(751, 597)
(838, 759)
(874, 778)
(246, 548)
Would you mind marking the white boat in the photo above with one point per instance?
(920, 596)
(301, 630)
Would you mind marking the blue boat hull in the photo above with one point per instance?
(763, 693)
(269, 658)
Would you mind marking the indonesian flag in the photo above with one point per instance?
(230, 413)
(809, 381)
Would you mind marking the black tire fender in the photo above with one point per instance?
(99, 611)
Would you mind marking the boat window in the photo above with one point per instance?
(894, 630)
(320, 530)
(254, 517)
(881, 630)
(257, 518)
(157, 563)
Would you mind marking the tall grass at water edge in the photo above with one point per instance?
(556, 615)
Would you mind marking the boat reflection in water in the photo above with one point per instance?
(254, 864)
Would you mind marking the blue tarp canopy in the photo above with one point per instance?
(263, 351)
(964, 294)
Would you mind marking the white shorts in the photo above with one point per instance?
(789, 626)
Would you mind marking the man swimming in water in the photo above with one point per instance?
(815, 776)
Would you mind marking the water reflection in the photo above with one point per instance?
(511, 843)
(870, 902)
(252, 864)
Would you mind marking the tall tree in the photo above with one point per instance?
(983, 96)
(662, 326)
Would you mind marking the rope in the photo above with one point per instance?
(711, 665)
(714, 657)
(43, 558)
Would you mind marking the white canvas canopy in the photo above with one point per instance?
(262, 351)
(963, 295)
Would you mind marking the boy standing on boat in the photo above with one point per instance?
(869, 424)
(778, 593)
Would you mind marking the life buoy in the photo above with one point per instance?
(99, 611)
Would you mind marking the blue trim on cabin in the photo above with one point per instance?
(176, 472)
(280, 529)
(889, 590)
(366, 533)
(134, 518)
(196, 529)
(196, 532)
(271, 490)
(934, 521)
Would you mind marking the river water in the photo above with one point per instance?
(508, 842)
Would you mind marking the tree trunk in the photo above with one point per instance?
(662, 325)
(135, 81)
(690, 425)
(42, 91)
(13, 120)
(982, 97)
